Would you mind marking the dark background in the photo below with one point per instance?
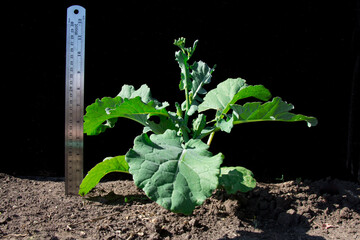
(306, 52)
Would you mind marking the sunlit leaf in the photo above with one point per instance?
(110, 164)
(276, 110)
(176, 176)
(104, 113)
(231, 91)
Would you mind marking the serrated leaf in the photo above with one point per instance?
(176, 176)
(129, 92)
(276, 110)
(110, 164)
(234, 179)
(231, 91)
(109, 109)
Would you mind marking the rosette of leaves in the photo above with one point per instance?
(170, 160)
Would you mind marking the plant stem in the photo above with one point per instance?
(187, 98)
(186, 119)
(210, 138)
(185, 134)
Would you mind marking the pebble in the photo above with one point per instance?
(345, 213)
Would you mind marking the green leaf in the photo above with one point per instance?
(104, 113)
(229, 92)
(110, 164)
(175, 175)
(198, 125)
(225, 125)
(234, 179)
(182, 58)
(201, 75)
(276, 110)
(129, 92)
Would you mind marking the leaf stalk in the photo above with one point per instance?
(211, 137)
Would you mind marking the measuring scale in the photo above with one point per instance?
(74, 98)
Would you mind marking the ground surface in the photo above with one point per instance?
(36, 208)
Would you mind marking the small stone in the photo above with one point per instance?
(193, 222)
(345, 213)
(291, 211)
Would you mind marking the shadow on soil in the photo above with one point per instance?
(289, 210)
(114, 199)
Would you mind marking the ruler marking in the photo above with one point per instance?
(74, 98)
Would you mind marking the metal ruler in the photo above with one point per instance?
(74, 98)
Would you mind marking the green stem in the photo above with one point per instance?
(187, 98)
(185, 134)
(186, 119)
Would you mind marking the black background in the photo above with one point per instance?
(303, 51)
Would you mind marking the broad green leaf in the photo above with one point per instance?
(229, 92)
(234, 179)
(175, 175)
(110, 164)
(103, 114)
(276, 110)
(129, 92)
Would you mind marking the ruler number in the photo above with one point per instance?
(75, 54)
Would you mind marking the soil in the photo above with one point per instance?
(37, 208)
